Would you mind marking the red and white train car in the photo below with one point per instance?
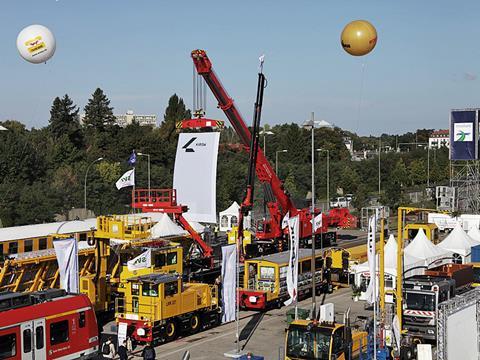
(47, 325)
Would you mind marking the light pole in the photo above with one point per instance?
(276, 159)
(85, 185)
(265, 133)
(328, 176)
(148, 160)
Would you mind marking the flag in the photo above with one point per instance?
(127, 179)
(317, 222)
(292, 269)
(133, 158)
(229, 282)
(285, 220)
(371, 292)
(142, 261)
(66, 251)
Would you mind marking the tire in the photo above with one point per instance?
(195, 324)
(171, 330)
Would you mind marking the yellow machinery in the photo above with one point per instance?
(264, 279)
(338, 261)
(157, 307)
(232, 237)
(430, 230)
(307, 339)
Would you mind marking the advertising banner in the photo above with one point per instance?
(66, 251)
(229, 281)
(292, 269)
(195, 175)
(463, 135)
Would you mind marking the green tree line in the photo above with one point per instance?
(43, 170)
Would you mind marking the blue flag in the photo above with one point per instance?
(133, 158)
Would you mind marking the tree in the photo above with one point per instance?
(64, 119)
(174, 112)
(98, 113)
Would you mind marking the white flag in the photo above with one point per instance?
(292, 269)
(142, 261)
(127, 179)
(285, 220)
(66, 251)
(396, 331)
(317, 222)
(371, 292)
(229, 282)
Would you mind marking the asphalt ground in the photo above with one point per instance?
(261, 333)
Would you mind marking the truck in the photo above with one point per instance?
(423, 294)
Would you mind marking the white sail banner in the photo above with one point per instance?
(229, 281)
(66, 251)
(195, 175)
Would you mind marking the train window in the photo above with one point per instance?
(82, 237)
(13, 247)
(5, 304)
(149, 289)
(306, 266)
(39, 337)
(8, 346)
(171, 258)
(81, 319)
(28, 246)
(160, 260)
(135, 289)
(21, 301)
(337, 347)
(59, 332)
(42, 244)
(27, 340)
(318, 263)
(171, 288)
(267, 273)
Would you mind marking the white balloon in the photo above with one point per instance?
(36, 44)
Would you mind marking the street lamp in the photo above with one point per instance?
(265, 133)
(310, 125)
(148, 160)
(85, 184)
(276, 159)
(328, 176)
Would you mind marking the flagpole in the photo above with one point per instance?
(375, 293)
(133, 197)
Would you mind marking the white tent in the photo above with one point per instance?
(458, 242)
(421, 247)
(229, 218)
(362, 271)
(166, 227)
(474, 233)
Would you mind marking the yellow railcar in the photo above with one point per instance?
(157, 307)
(264, 279)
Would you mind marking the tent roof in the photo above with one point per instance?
(458, 241)
(474, 233)
(166, 227)
(232, 209)
(422, 248)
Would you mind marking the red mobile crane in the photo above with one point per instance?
(270, 233)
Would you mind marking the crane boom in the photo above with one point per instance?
(263, 169)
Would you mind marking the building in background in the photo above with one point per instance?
(129, 117)
(439, 138)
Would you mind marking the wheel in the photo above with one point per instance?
(171, 330)
(195, 323)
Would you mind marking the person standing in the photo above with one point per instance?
(122, 351)
(129, 345)
(108, 349)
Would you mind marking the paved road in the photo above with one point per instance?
(267, 339)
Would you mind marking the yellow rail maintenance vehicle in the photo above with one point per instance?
(265, 279)
(158, 307)
(307, 339)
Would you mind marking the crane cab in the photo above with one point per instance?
(307, 339)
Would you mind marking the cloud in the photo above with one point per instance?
(469, 76)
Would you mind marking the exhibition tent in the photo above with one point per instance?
(458, 242)
(165, 227)
(421, 247)
(474, 233)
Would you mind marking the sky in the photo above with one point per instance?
(426, 61)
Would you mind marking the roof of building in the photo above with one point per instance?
(442, 132)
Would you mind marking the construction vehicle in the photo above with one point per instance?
(423, 294)
(158, 307)
(47, 325)
(324, 340)
(265, 284)
(165, 201)
(269, 234)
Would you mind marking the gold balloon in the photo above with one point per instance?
(359, 38)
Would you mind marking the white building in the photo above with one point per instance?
(439, 138)
(130, 117)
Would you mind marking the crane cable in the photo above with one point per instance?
(199, 94)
